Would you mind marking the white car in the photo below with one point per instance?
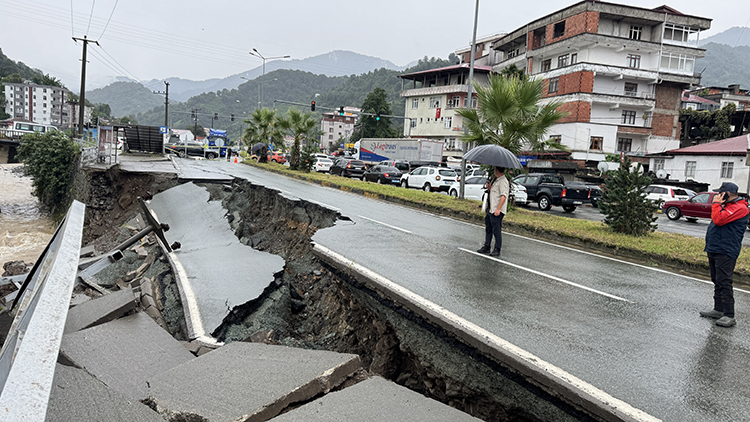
(521, 197)
(429, 178)
(474, 189)
(665, 193)
(322, 164)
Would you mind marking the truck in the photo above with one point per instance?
(549, 189)
(375, 150)
(217, 139)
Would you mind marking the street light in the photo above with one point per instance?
(256, 53)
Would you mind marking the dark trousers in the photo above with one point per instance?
(493, 226)
(722, 268)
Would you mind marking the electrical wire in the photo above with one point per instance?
(93, 2)
(108, 20)
(72, 28)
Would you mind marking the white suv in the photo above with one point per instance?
(429, 178)
(662, 193)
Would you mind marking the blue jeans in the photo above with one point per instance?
(493, 226)
(722, 269)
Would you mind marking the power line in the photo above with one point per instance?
(93, 2)
(72, 30)
(108, 20)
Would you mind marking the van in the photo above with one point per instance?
(28, 127)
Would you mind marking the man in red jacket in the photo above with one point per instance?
(729, 218)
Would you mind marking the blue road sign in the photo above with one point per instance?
(162, 129)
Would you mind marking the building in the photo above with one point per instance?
(432, 99)
(484, 54)
(618, 70)
(695, 102)
(37, 103)
(730, 95)
(713, 163)
(336, 129)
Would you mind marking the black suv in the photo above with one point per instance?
(348, 167)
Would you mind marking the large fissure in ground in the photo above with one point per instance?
(310, 305)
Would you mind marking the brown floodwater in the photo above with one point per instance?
(25, 228)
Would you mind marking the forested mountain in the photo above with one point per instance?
(732, 37)
(132, 98)
(724, 65)
(9, 67)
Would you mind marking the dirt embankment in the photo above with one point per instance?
(311, 306)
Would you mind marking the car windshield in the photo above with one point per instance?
(389, 170)
(447, 173)
(357, 163)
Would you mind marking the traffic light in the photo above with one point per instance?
(341, 111)
(216, 116)
(377, 117)
(232, 116)
(312, 106)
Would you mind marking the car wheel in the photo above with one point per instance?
(453, 193)
(427, 187)
(380, 181)
(673, 213)
(210, 155)
(569, 208)
(544, 203)
(405, 184)
(275, 161)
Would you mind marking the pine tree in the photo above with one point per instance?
(624, 201)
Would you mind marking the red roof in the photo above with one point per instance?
(738, 145)
(696, 99)
(450, 68)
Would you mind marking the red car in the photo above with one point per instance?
(276, 157)
(699, 206)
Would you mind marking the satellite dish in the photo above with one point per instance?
(603, 166)
(661, 174)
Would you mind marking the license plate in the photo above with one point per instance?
(577, 202)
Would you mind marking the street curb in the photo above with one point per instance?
(548, 377)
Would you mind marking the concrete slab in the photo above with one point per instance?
(158, 166)
(77, 396)
(372, 400)
(248, 381)
(100, 310)
(219, 271)
(125, 353)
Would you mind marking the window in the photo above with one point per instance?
(634, 61)
(677, 61)
(628, 117)
(413, 123)
(701, 198)
(556, 138)
(562, 61)
(447, 122)
(434, 102)
(574, 58)
(415, 103)
(631, 89)
(330, 136)
(635, 32)
(624, 144)
(596, 143)
(690, 169)
(553, 84)
(559, 29)
(677, 33)
(546, 65)
(726, 170)
(330, 129)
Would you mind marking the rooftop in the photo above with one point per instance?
(739, 145)
(448, 69)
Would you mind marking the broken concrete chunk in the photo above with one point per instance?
(98, 311)
(87, 251)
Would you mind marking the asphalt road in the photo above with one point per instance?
(630, 330)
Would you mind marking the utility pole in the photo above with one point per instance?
(465, 148)
(82, 103)
(166, 103)
(195, 118)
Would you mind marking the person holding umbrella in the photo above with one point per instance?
(499, 191)
(497, 197)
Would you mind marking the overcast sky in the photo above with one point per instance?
(198, 40)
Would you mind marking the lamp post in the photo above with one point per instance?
(256, 53)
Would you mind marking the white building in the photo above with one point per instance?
(337, 128)
(37, 103)
(713, 163)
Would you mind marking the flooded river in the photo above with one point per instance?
(24, 228)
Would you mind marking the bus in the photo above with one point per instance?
(27, 127)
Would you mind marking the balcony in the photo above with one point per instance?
(435, 90)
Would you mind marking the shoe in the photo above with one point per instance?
(726, 321)
(484, 249)
(712, 314)
(495, 253)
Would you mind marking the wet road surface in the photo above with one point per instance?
(633, 331)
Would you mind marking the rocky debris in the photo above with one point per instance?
(12, 268)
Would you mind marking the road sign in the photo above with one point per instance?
(162, 130)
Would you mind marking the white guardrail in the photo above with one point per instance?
(29, 355)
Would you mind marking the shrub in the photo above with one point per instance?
(624, 201)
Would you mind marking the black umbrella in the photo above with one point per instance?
(493, 155)
(257, 147)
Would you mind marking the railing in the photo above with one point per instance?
(29, 355)
(89, 150)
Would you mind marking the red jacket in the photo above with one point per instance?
(727, 229)
(722, 214)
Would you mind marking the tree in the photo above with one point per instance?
(375, 102)
(50, 159)
(300, 126)
(704, 125)
(46, 80)
(509, 115)
(514, 72)
(198, 131)
(624, 201)
(261, 128)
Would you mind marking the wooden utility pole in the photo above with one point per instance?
(166, 103)
(82, 102)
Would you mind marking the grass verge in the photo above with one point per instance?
(676, 251)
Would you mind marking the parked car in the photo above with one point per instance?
(348, 167)
(322, 164)
(193, 148)
(699, 206)
(549, 189)
(596, 191)
(383, 175)
(429, 178)
(473, 188)
(401, 165)
(519, 194)
(658, 193)
(276, 157)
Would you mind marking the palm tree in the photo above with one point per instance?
(509, 115)
(301, 126)
(262, 127)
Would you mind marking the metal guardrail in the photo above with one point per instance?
(29, 355)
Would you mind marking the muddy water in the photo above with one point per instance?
(24, 228)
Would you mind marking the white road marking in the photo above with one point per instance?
(561, 280)
(387, 225)
(322, 204)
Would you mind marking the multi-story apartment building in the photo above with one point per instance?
(730, 95)
(484, 55)
(432, 100)
(618, 70)
(336, 128)
(37, 103)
